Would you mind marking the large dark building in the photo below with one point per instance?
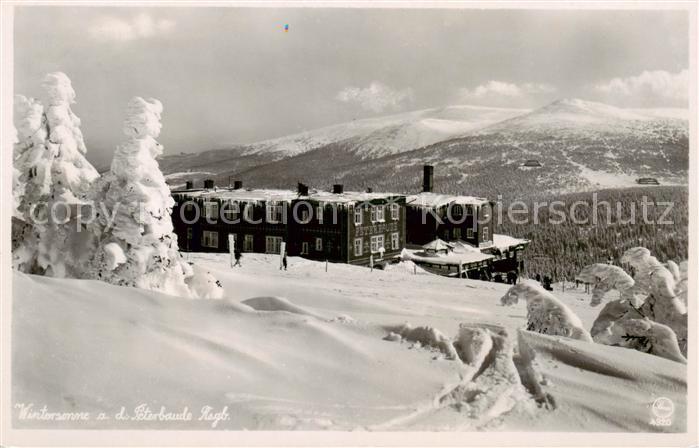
(338, 226)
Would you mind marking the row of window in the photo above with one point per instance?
(456, 233)
(275, 212)
(377, 213)
(376, 244)
(273, 243)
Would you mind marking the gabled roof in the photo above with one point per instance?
(438, 245)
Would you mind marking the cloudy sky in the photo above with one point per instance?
(234, 75)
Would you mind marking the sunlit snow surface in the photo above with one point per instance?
(309, 349)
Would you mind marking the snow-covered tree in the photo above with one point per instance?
(136, 243)
(55, 178)
(655, 323)
(605, 278)
(621, 324)
(545, 313)
(662, 305)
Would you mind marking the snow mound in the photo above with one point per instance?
(473, 344)
(425, 336)
(604, 278)
(581, 377)
(203, 285)
(545, 313)
(277, 304)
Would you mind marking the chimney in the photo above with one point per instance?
(302, 189)
(428, 178)
(338, 189)
(209, 183)
(237, 184)
(188, 185)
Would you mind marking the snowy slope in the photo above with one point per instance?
(358, 140)
(393, 134)
(582, 146)
(307, 349)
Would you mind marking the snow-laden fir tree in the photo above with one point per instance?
(30, 172)
(137, 246)
(55, 179)
(655, 321)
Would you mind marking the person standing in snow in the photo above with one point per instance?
(284, 261)
(238, 255)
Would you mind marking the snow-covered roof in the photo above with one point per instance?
(452, 258)
(255, 195)
(436, 200)
(437, 245)
(504, 242)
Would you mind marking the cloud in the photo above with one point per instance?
(502, 89)
(377, 97)
(141, 26)
(500, 93)
(650, 88)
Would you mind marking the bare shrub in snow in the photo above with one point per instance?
(56, 179)
(604, 278)
(136, 243)
(545, 313)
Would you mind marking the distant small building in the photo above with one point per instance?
(647, 181)
(532, 163)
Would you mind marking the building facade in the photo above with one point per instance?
(338, 226)
(466, 219)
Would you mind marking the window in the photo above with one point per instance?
(304, 248)
(373, 213)
(319, 244)
(273, 244)
(275, 212)
(211, 211)
(305, 218)
(469, 233)
(189, 233)
(358, 216)
(486, 235)
(248, 243)
(457, 210)
(358, 243)
(395, 241)
(319, 214)
(209, 239)
(457, 233)
(189, 208)
(376, 243)
(512, 254)
(395, 212)
(231, 210)
(380, 210)
(469, 210)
